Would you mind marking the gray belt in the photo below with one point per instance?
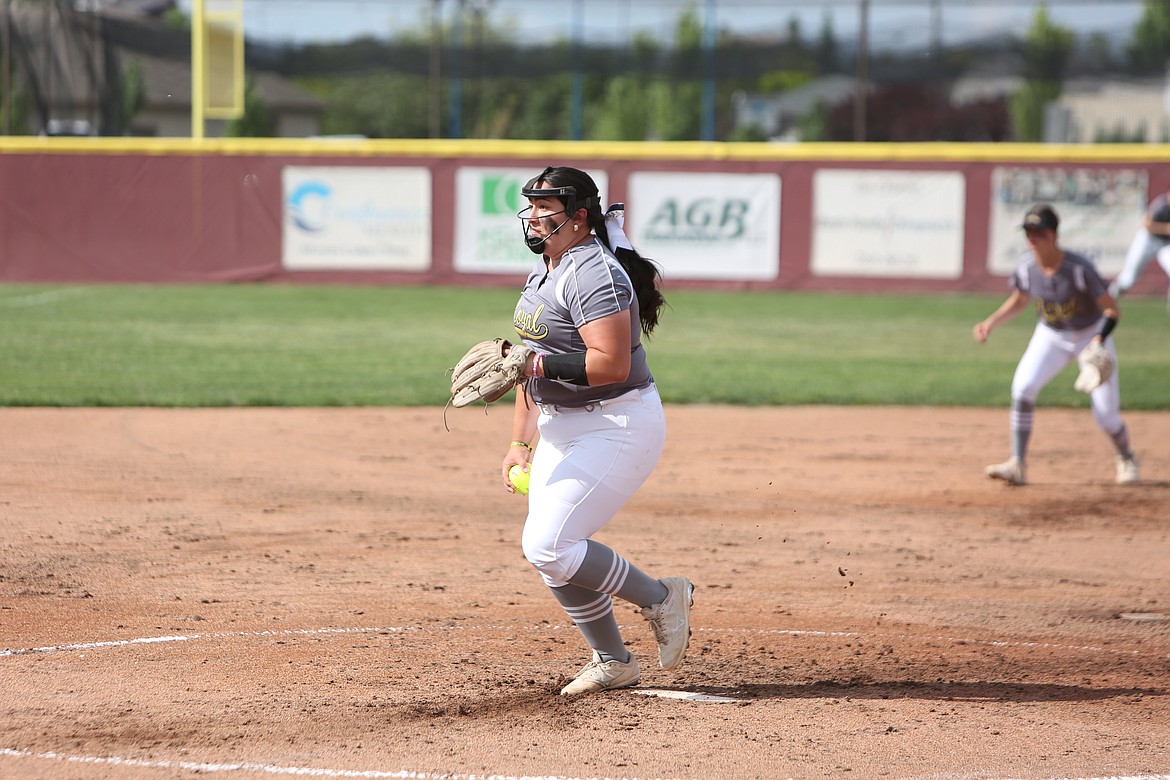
(628, 397)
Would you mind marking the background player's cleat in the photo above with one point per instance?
(1127, 470)
(601, 675)
(1010, 471)
(671, 621)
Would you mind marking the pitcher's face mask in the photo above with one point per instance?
(566, 195)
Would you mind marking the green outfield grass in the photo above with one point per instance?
(286, 345)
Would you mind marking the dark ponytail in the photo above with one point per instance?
(643, 272)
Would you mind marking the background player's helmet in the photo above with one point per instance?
(1041, 216)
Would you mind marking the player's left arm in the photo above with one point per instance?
(607, 348)
(1110, 316)
(606, 358)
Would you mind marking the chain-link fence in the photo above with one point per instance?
(714, 70)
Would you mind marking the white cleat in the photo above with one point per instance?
(1127, 470)
(601, 675)
(1010, 471)
(671, 621)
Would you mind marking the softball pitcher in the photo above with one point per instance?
(591, 397)
(1074, 308)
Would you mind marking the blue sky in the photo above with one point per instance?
(893, 23)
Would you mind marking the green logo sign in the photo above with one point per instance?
(703, 219)
(500, 196)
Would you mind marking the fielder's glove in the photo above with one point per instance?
(1096, 367)
(487, 372)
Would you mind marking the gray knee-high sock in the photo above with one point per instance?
(605, 571)
(1022, 415)
(592, 613)
(1121, 441)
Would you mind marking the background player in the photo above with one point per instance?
(1073, 308)
(593, 400)
(1151, 240)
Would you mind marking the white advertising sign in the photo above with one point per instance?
(1099, 212)
(906, 224)
(707, 225)
(489, 236)
(356, 218)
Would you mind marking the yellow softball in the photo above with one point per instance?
(519, 478)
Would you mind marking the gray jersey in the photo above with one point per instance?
(587, 284)
(1159, 211)
(1066, 300)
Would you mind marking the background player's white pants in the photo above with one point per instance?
(586, 466)
(1143, 247)
(1048, 353)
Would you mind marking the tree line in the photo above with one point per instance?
(478, 83)
(491, 88)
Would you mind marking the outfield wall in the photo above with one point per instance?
(882, 217)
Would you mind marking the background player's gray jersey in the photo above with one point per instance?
(1066, 300)
(1159, 211)
(587, 284)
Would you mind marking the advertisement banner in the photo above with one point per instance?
(707, 225)
(489, 236)
(888, 224)
(356, 219)
(1099, 210)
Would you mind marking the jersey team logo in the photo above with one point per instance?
(528, 324)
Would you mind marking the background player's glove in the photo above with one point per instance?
(1096, 367)
(487, 371)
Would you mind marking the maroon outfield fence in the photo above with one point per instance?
(882, 217)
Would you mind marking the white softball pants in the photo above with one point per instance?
(587, 465)
(1048, 353)
(1142, 249)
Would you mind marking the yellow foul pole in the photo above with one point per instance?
(198, 69)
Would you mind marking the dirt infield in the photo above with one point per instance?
(341, 593)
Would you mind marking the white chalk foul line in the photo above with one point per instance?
(373, 774)
(268, 769)
(148, 640)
